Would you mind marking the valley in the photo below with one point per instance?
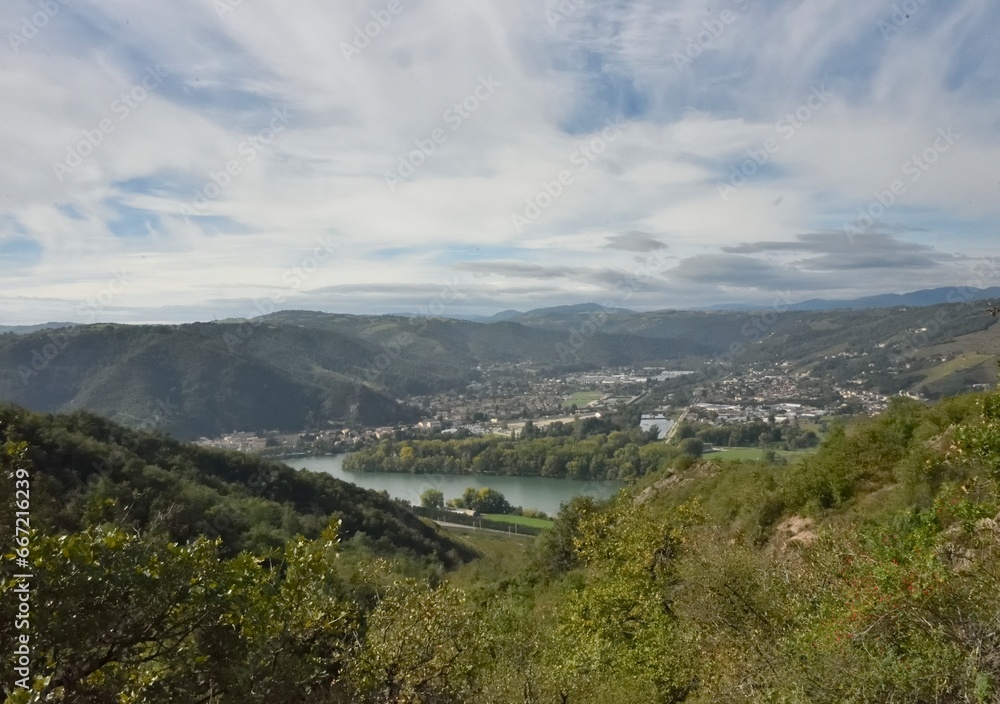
(300, 372)
(675, 505)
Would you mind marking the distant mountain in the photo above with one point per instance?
(297, 369)
(287, 370)
(27, 329)
(501, 317)
(926, 297)
(567, 310)
(199, 379)
(505, 315)
(577, 309)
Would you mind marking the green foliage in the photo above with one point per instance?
(556, 550)
(419, 646)
(135, 618)
(615, 455)
(485, 500)
(692, 447)
(860, 574)
(432, 498)
(623, 619)
(88, 471)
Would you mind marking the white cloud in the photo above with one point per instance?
(352, 120)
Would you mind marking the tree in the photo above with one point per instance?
(492, 501)
(418, 647)
(556, 550)
(692, 446)
(134, 618)
(432, 498)
(470, 498)
(485, 500)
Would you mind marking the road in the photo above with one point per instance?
(488, 530)
(673, 430)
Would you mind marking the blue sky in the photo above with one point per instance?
(201, 159)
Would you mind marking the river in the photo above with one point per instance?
(540, 493)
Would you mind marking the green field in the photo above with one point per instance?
(519, 520)
(751, 453)
(954, 366)
(503, 556)
(582, 399)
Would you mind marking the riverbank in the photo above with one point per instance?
(542, 493)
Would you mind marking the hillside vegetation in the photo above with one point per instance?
(295, 369)
(283, 371)
(87, 471)
(866, 572)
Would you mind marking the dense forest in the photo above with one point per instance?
(89, 471)
(866, 572)
(587, 449)
(618, 455)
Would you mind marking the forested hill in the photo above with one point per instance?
(88, 471)
(280, 371)
(866, 573)
(292, 369)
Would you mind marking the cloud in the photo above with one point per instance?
(736, 271)
(836, 251)
(181, 175)
(635, 241)
(526, 270)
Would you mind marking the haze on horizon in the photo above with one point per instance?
(205, 159)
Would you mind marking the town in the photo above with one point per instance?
(514, 395)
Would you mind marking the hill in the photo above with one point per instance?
(282, 371)
(194, 380)
(866, 572)
(87, 469)
(924, 297)
(25, 329)
(888, 349)
(294, 369)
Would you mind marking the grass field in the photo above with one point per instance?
(519, 520)
(959, 364)
(582, 399)
(503, 557)
(752, 453)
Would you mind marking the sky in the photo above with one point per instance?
(205, 159)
